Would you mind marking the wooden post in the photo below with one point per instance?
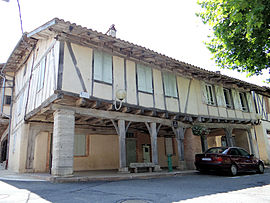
(122, 146)
(252, 151)
(180, 135)
(154, 148)
(228, 133)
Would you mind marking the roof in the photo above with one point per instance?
(64, 30)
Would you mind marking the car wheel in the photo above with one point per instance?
(233, 170)
(260, 168)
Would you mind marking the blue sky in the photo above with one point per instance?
(168, 27)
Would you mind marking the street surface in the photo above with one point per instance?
(187, 188)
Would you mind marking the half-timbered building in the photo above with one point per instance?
(83, 100)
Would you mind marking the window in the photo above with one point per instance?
(102, 67)
(243, 152)
(144, 75)
(169, 145)
(234, 152)
(7, 100)
(79, 145)
(19, 104)
(243, 100)
(228, 98)
(169, 84)
(41, 75)
(210, 94)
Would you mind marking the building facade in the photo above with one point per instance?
(83, 100)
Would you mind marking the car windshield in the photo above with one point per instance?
(217, 150)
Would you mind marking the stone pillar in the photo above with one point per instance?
(122, 146)
(180, 135)
(63, 142)
(228, 133)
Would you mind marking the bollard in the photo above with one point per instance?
(169, 162)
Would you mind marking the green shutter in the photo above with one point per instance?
(98, 65)
(169, 84)
(148, 79)
(107, 68)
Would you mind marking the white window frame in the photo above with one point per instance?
(228, 98)
(101, 67)
(210, 95)
(170, 88)
(144, 78)
(80, 150)
(243, 101)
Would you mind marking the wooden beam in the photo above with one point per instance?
(115, 115)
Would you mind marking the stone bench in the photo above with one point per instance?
(150, 166)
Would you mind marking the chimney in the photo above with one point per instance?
(111, 31)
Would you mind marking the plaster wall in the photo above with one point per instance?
(103, 154)
(263, 140)
(83, 57)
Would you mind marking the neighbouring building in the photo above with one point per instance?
(83, 100)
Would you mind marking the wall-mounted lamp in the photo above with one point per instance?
(120, 95)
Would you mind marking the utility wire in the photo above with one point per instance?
(20, 15)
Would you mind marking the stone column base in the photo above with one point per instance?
(157, 168)
(123, 170)
(181, 166)
(62, 171)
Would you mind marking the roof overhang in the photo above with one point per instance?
(63, 30)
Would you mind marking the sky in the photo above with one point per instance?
(168, 27)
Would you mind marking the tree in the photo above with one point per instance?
(241, 33)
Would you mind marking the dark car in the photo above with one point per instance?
(228, 159)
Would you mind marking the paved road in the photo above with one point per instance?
(188, 188)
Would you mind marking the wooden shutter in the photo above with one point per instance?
(169, 84)
(204, 93)
(98, 65)
(141, 78)
(148, 79)
(220, 96)
(249, 102)
(107, 68)
(236, 99)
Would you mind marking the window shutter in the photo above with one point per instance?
(204, 93)
(148, 79)
(107, 68)
(166, 84)
(141, 78)
(170, 84)
(249, 101)
(220, 96)
(98, 65)
(236, 99)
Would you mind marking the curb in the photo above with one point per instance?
(57, 179)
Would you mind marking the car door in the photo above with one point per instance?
(236, 158)
(249, 162)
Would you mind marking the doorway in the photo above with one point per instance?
(131, 150)
(146, 153)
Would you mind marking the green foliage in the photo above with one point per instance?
(200, 130)
(241, 33)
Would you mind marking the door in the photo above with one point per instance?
(146, 153)
(131, 150)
